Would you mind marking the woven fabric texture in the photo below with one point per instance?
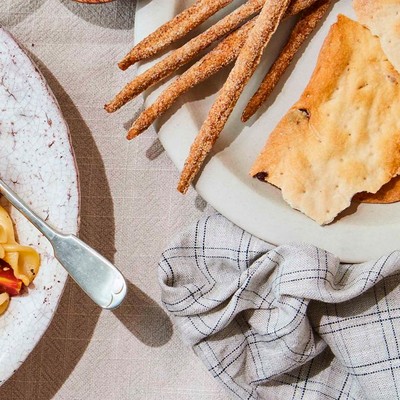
(287, 322)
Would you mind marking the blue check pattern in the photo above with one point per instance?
(287, 322)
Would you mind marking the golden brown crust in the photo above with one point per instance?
(222, 55)
(389, 193)
(182, 24)
(343, 136)
(248, 60)
(190, 50)
(297, 6)
(304, 27)
(173, 30)
(184, 54)
(382, 18)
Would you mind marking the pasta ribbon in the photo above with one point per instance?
(4, 302)
(23, 260)
(18, 264)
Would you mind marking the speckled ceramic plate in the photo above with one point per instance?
(37, 160)
(360, 235)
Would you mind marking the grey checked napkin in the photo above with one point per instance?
(287, 322)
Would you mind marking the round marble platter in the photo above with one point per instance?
(37, 161)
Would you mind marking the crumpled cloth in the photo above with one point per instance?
(287, 322)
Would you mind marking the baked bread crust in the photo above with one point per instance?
(388, 193)
(382, 17)
(343, 135)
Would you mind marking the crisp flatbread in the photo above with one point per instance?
(388, 193)
(343, 135)
(382, 17)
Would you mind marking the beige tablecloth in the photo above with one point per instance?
(130, 210)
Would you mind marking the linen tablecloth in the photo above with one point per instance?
(130, 210)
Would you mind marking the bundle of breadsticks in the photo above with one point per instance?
(240, 38)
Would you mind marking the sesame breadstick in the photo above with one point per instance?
(184, 54)
(297, 6)
(173, 30)
(247, 62)
(187, 52)
(304, 27)
(182, 24)
(221, 56)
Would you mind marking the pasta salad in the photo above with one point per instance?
(19, 264)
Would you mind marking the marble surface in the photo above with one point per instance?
(130, 210)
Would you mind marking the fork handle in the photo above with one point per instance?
(22, 207)
(100, 279)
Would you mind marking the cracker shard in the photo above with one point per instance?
(382, 17)
(343, 135)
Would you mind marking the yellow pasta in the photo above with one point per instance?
(23, 260)
(18, 264)
(4, 301)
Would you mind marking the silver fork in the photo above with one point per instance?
(101, 280)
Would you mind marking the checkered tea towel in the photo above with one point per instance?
(287, 322)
